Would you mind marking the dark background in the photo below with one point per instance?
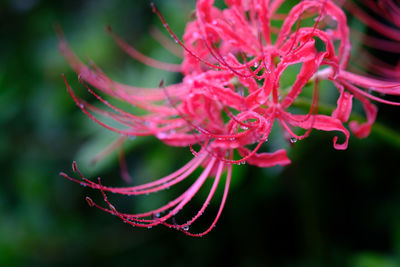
(328, 208)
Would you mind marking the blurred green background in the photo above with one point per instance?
(328, 208)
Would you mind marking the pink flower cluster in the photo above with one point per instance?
(231, 95)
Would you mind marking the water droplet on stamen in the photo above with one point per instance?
(74, 167)
(186, 228)
(293, 140)
(89, 201)
(112, 208)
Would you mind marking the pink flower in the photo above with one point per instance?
(231, 94)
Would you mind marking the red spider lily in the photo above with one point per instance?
(231, 94)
